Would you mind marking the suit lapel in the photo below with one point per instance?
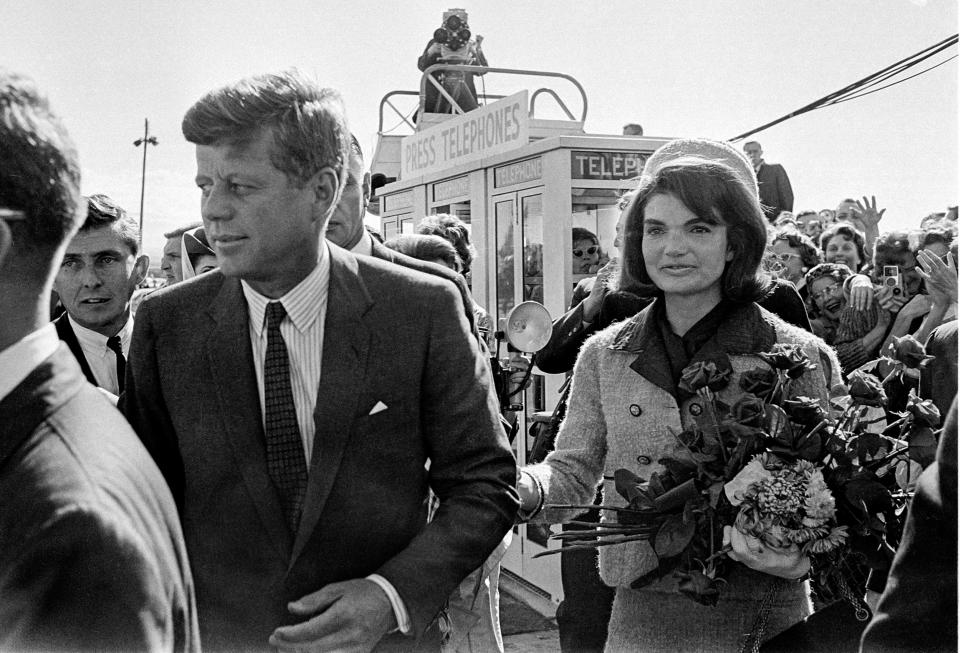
(641, 336)
(231, 364)
(65, 333)
(345, 349)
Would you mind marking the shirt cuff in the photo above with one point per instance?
(399, 609)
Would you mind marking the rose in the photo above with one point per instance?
(924, 412)
(789, 358)
(909, 351)
(699, 586)
(760, 382)
(703, 374)
(805, 411)
(748, 410)
(866, 389)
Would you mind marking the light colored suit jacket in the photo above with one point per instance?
(392, 335)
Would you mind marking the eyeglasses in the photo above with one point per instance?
(590, 251)
(829, 291)
(12, 215)
(784, 257)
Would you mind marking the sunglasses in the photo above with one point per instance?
(829, 291)
(784, 257)
(590, 251)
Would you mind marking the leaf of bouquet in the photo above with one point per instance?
(627, 484)
(923, 445)
(778, 423)
(677, 497)
(869, 493)
(907, 473)
(679, 469)
(674, 536)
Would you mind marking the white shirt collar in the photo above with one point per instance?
(96, 343)
(23, 356)
(364, 246)
(302, 302)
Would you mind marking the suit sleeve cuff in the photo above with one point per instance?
(399, 609)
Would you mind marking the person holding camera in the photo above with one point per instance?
(452, 43)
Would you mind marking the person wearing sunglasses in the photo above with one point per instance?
(586, 251)
(793, 255)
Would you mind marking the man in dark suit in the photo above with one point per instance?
(91, 552)
(294, 397)
(100, 271)
(776, 195)
(346, 229)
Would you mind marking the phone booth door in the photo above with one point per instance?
(518, 236)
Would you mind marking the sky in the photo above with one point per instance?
(684, 68)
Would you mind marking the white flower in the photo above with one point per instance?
(753, 472)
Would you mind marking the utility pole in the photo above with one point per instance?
(146, 140)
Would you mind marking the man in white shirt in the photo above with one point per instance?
(292, 398)
(97, 277)
(91, 552)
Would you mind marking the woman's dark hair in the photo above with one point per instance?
(426, 248)
(716, 195)
(809, 253)
(891, 245)
(849, 232)
(934, 235)
(455, 231)
(579, 233)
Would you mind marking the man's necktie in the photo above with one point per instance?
(286, 462)
(113, 344)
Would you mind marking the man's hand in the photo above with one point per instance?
(861, 292)
(888, 301)
(349, 616)
(599, 289)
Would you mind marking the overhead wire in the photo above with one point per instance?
(858, 88)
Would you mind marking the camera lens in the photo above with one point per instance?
(440, 35)
(464, 35)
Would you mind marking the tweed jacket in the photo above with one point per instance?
(623, 412)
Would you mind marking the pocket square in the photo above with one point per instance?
(379, 408)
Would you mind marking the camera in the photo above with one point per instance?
(891, 279)
(454, 32)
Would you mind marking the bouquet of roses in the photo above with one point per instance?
(785, 469)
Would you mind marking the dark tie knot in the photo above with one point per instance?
(113, 344)
(275, 314)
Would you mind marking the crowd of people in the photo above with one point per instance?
(302, 441)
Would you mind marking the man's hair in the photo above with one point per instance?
(104, 212)
(892, 244)
(935, 234)
(757, 143)
(179, 231)
(454, 230)
(308, 122)
(633, 129)
(426, 248)
(39, 170)
(716, 194)
(848, 231)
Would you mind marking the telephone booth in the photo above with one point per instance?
(523, 184)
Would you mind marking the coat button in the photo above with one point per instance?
(644, 460)
(635, 410)
(695, 409)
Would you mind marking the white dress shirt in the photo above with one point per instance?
(302, 331)
(364, 245)
(102, 361)
(23, 356)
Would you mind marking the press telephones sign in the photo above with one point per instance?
(606, 165)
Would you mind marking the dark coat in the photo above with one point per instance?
(91, 552)
(776, 195)
(391, 335)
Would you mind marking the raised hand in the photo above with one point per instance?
(867, 213)
(940, 277)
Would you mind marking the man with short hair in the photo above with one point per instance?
(91, 552)
(293, 397)
(97, 278)
(633, 129)
(171, 264)
(776, 195)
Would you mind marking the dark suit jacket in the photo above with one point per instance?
(918, 609)
(66, 333)
(938, 380)
(392, 335)
(91, 552)
(384, 253)
(775, 192)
